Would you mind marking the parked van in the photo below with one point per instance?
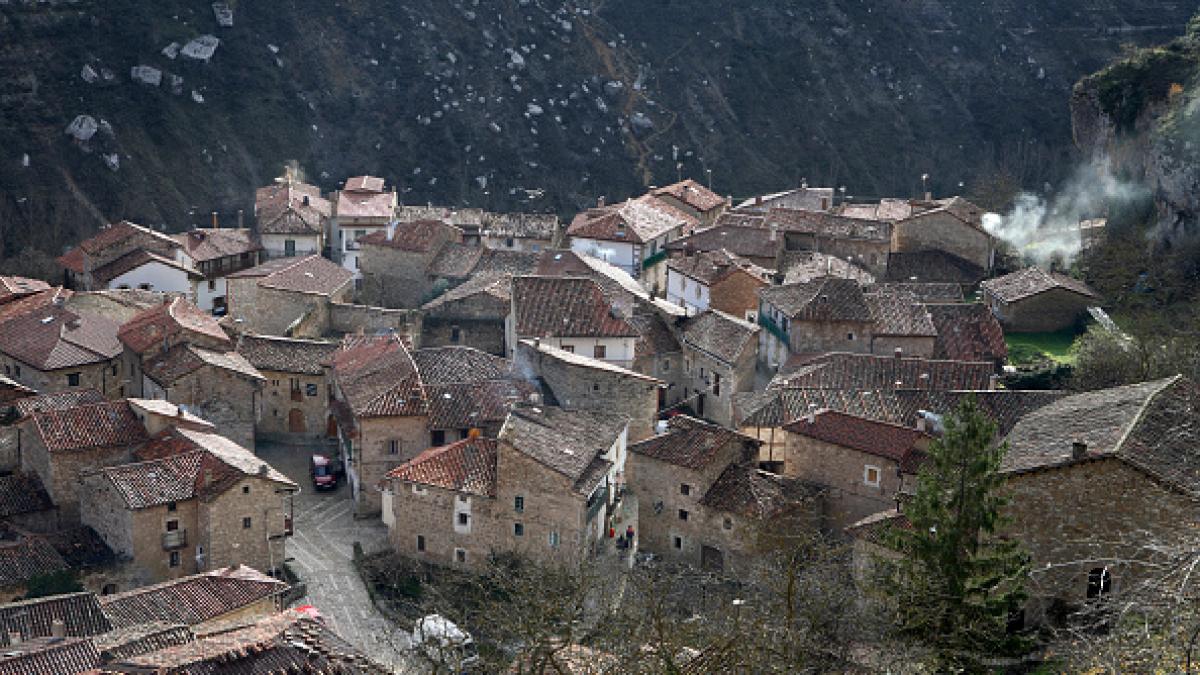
(443, 644)
(323, 476)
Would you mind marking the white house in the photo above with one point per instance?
(360, 208)
(572, 314)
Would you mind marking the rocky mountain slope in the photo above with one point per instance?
(529, 104)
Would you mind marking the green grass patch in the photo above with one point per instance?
(1031, 347)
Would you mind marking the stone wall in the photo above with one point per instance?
(104, 377)
(717, 381)
(285, 396)
(10, 455)
(829, 336)
(149, 526)
(346, 318)
(1085, 516)
(226, 399)
(271, 311)
(942, 231)
(550, 505)
(103, 509)
(479, 319)
(848, 498)
(221, 526)
(373, 457)
(396, 278)
(736, 294)
(430, 513)
(1052, 310)
(60, 471)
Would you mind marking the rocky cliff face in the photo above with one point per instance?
(155, 110)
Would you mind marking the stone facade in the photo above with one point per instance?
(850, 495)
(227, 399)
(909, 345)
(346, 318)
(474, 321)
(371, 453)
(60, 471)
(1052, 310)
(395, 277)
(941, 230)
(736, 294)
(870, 254)
(709, 383)
(105, 377)
(293, 406)
(272, 311)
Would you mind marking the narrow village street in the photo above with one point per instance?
(322, 554)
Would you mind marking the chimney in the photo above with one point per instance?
(758, 200)
(921, 422)
(774, 233)
(208, 477)
(241, 219)
(600, 202)
(58, 628)
(899, 352)
(803, 183)
(811, 417)
(1078, 450)
(535, 398)
(263, 469)
(391, 230)
(14, 638)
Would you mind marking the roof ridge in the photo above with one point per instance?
(1137, 419)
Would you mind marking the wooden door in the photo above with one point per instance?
(296, 421)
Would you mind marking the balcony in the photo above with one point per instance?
(174, 539)
(652, 260)
(773, 328)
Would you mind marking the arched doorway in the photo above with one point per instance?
(296, 421)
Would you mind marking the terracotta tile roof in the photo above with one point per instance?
(447, 365)
(22, 493)
(192, 599)
(286, 355)
(98, 425)
(844, 370)
(805, 193)
(825, 299)
(184, 359)
(746, 491)
(455, 261)
(828, 225)
(354, 204)
(378, 377)
(806, 266)
(889, 441)
(637, 221)
(468, 405)
(499, 261)
(204, 244)
(52, 338)
(178, 413)
(929, 293)
(559, 263)
(720, 335)
(709, 267)
(62, 400)
(569, 442)
(228, 462)
(363, 184)
(1151, 426)
(289, 642)
(897, 311)
(50, 656)
(35, 302)
(967, 332)
(124, 643)
(542, 226)
(747, 242)
(565, 307)
(272, 200)
(932, 267)
(157, 481)
(1005, 407)
(12, 391)
(691, 443)
(16, 287)
(312, 275)
(72, 260)
(293, 220)
(115, 233)
(25, 558)
(80, 612)
(1031, 281)
(466, 466)
(420, 236)
(173, 319)
(691, 193)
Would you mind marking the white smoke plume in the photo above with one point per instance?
(1044, 230)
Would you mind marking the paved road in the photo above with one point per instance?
(322, 551)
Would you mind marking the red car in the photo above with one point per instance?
(323, 475)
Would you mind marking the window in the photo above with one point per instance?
(464, 519)
(850, 337)
(358, 284)
(666, 365)
(595, 386)
(716, 384)
(393, 447)
(212, 284)
(462, 499)
(173, 561)
(245, 489)
(172, 525)
(871, 475)
(146, 287)
(553, 539)
(460, 556)
(518, 530)
(16, 370)
(508, 242)
(1099, 583)
(683, 514)
(696, 290)
(685, 489)
(114, 370)
(727, 523)
(171, 507)
(420, 542)
(519, 503)
(289, 247)
(72, 379)
(570, 349)
(357, 262)
(599, 351)
(437, 438)
(678, 541)
(310, 390)
(246, 523)
(455, 333)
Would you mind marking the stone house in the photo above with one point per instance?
(803, 197)
(160, 328)
(717, 279)
(573, 314)
(719, 359)
(1099, 483)
(16, 410)
(292, 218)
(1034, 301)
(361, 207)
(952, 225)
(215, 254)
(632, 235)
(829, 314)
(578, 382)
(701, 500)
(471, 314)
(469, 220)
(658, 353)
(542, 490)
(193, 501)
(862, 464)
(968, 332)
(470, 392)
(294, 400)
(49, 348)
(693, 199)
(520, 231)
(746, 238)
(865, 243)
(380, 410)
(288, 296)
(900, 322)
(395, 261)
(112, 257)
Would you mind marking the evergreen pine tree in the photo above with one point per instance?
(959, 581)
